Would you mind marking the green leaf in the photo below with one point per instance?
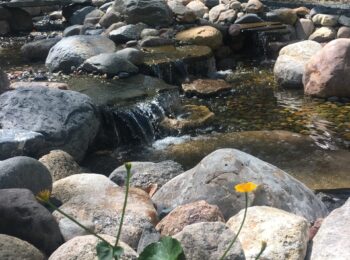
(167, 248)
(106, 252)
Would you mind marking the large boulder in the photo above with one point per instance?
(38, 50)
(328, 73)
(95, 199)
(213, 178)
(144, 174)
(13, 248)
(84, 247)
(24, 173)
(332, 240)
(68, 120)
(63, 57)
(289, 66)
(209, 240)
(285, 234)
(23, 217)
(184, 215)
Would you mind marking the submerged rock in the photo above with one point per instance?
(206, 87)
(213, 178)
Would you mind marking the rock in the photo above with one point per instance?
(35, 84)
(83, 247)
(63, 57)
(24, 173)
(132, 55)
(149, 32)
(283, 15)
(211, 3)
(96, 199)
(127, 33)
(110, 18)
(56, 15)
(68, 120)
(327, 73)
(208, 240)
(110, 64)
(79, 15)
(113, 27)
(285, 234)
(203, 35)
(182, 216)
(4, 27)
(325, 19)
(60, 164)
(343, 32)
(38, 50)
(304, 28)
(150, 12)
(70, 230)
(20, 20)
(289, 66)
(182, 13)
(72, 30)
(12, 248)
(344, 20)
(94, 17)
(23, 217)
(249, 18)
(144, 174)
(5, 14)
(323, 34)
(213, 178)
(198, 8)
(154, 41)
(222, 14)
(206, 87)
(107, 7)
(4, 82)
(332, 240)
(254, 6)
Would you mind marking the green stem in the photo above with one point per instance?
(128, 174)
(239, 230)
(76, 222)
(263, 247)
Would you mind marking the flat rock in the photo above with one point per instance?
(206, 87)
(213, 178)
(285, 234)
(48, 84)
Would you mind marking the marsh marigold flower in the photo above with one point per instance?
(246, 187)
(43, 196)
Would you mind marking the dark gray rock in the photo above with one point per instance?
(72, 30)
(24, 173)
(67, 119)
(145, 174)
(78, 16)
(38, 50)
(249, 18)
(23, 217)
(132, 55)
(5, 14)
(63, 57)
(127, 33)
(20, 20)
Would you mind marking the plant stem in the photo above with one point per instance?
(239, 230)
(263, 247)
(128, 174)
(76, 222)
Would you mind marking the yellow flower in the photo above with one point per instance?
(245, 187)
(43, 196)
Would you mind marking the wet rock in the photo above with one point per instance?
(283, 15)
(84, 247)
(93, 17)
(182, 216)
(206, 87)
(289, 66)
(132, 55)
(149, 32)
(323, 34)
(35, 84)
(4, 82)
(222, 14)
(110, 18)
(254, 6)
(20, 20)
(24, 173)
(285, 234)
(203, 35)
(248, 18)
(198, 8)
(12, 248)
(150, 12)
(208, 240)
(79, 15)
(213, 178)
(343, 32)
(63, 57)
(72, 30)
(23, 217)
(304, 28)
(154, 41)
(145, 174)
(325, 19)
(38, 50)
(68, 120)
(127, 33)
(182, 13)
(110, 64)
(332, 240)
(94, 198)
(344, 20)
(60, 164)
(327, 73)
(4, 28)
